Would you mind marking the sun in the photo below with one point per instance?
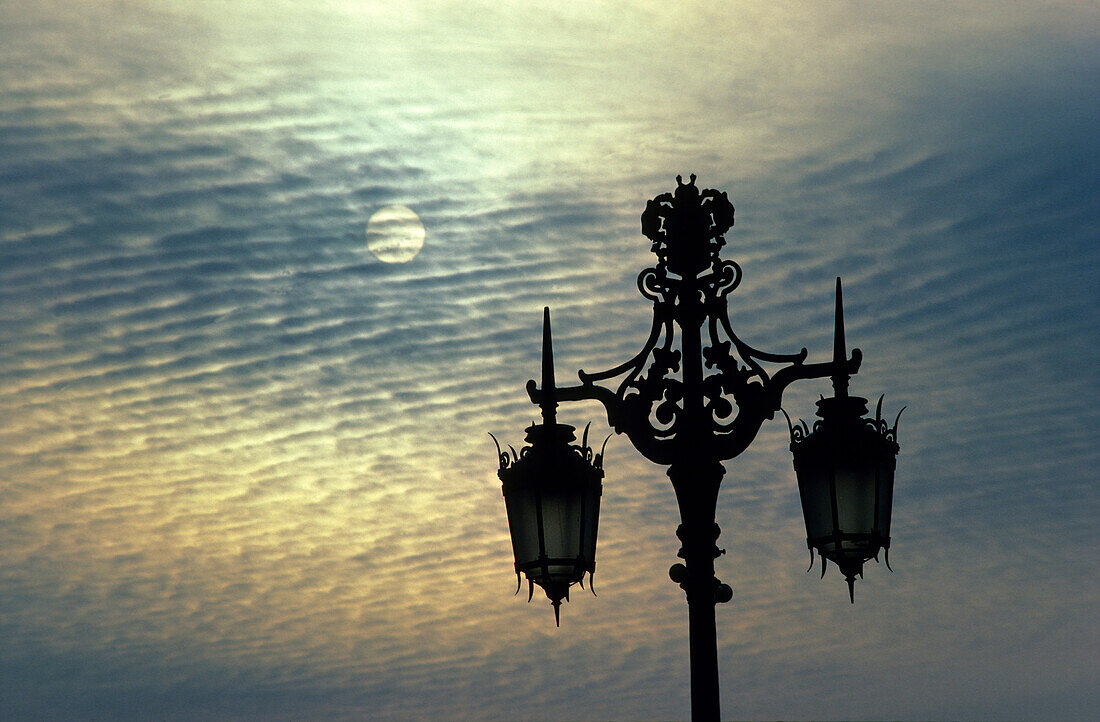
(395, 234)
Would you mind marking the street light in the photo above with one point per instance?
(845, 469)
(694, 396)
(552, 494)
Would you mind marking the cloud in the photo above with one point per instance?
(245, 465)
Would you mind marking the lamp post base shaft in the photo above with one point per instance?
(697, 493)
(704, 661)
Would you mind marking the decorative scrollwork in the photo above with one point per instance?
(502, 456)
(798, 431)
(510, 458)
(727, 277)
(878, 426)
(693, 370)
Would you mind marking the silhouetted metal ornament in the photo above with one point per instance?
(552, 492)
(696, 395)
(845, 469)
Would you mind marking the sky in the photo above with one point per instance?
(245, 470)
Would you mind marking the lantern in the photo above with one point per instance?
(845, 470)
(552, 492)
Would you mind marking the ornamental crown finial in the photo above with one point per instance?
(686, 192)
(688, 221)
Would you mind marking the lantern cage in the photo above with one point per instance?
(845, 470)
(552, 492)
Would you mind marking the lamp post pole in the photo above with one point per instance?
(694, 396)
(696, 475)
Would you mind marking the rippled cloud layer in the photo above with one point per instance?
(244, 469)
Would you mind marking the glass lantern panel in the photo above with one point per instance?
(855, 498)
(591, 523)
(885, 494)
(562, 572)
(813, 487)
(561, 522)
(523, 523)
(857, 548)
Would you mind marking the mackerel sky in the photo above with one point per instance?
(244, 463)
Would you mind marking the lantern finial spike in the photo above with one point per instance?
(840, 354)
(852, 588)
(557, 612)
(549, 397)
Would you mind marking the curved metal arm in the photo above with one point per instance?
(636, 430)
(695, 388)
(756, 403)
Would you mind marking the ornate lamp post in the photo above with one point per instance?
(694, 396)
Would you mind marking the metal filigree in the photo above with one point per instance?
(800, 431)
(693, 373)
(694, 396)
(508, 459)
